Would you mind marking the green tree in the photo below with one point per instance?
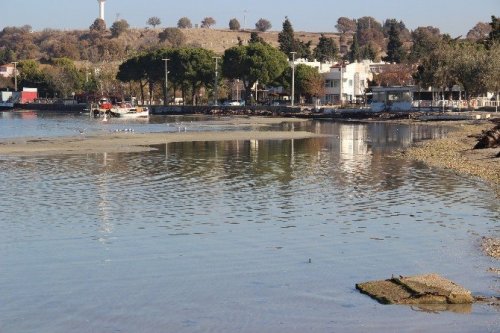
(495, 30)
(354, 52)
(288, 42)
(491, 76)
(154, 21)
(286, 38)
(65, 77)
(326, 50)
(7, 56)
(119, 27)
(174, 36)
(234, 24)
(395, 51)
(255, 38)
(184, 23)
(134, 70)
(252, 63)
(31, 75)
(425, 41)
(263, 25)
(308, 82)
(369, 52)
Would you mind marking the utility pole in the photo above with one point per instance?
(293, 77)
(15, 75)
(216, 80)
(165, 102)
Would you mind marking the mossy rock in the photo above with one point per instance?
(420, 289)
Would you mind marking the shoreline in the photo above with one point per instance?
(132, 142)
(455, 152)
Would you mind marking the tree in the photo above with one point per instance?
(369, 52)
(208, 22)
(288, 43)
(252, 63)
(234, 24)
(193, 68)
(64, 77)
(98, 26)
(308, 81)
(326, 50)
(479, 32)
(286, 38)
(173, 36)
(255, 38)
(7, 55)
(119, 27)
(184, 23)
(495, 30)
(346, 25)
(153, 21)
(425, 40)
(263, 25)
(395, 50)
(367, 23)
(354, 52)
(31, 75)
(404, 33)
(492, 73)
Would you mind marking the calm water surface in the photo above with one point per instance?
(217, 237)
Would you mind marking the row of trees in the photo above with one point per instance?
(262, 24)
(192, 72)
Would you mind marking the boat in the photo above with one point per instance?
(6, 106)
(120, 110)
(127, 110)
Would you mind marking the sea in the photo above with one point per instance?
(236, 236)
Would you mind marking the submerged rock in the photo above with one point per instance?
(420, 289)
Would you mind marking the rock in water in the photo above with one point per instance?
(420, 289)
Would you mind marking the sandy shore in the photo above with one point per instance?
(132, 142)
(455, 153)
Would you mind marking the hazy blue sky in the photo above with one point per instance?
(455, 17)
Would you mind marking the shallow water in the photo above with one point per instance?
(217, 236)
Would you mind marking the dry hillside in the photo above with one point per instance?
(220, 40)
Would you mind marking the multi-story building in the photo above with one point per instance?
(347, 83)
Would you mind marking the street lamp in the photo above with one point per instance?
(293, 77)
(216, 79)
(15, 75)
(166, 81)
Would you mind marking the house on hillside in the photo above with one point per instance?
(347, 83)
(7, 70)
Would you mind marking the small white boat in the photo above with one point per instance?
(126, 110)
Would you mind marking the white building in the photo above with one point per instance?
(7, 70)
(347, 83)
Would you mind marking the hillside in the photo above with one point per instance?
(219, 40)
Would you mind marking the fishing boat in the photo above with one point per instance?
(127, 110)
(120, 110)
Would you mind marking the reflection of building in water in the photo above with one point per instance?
(106, 226)
(355, 154)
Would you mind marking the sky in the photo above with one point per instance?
(455, 17)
